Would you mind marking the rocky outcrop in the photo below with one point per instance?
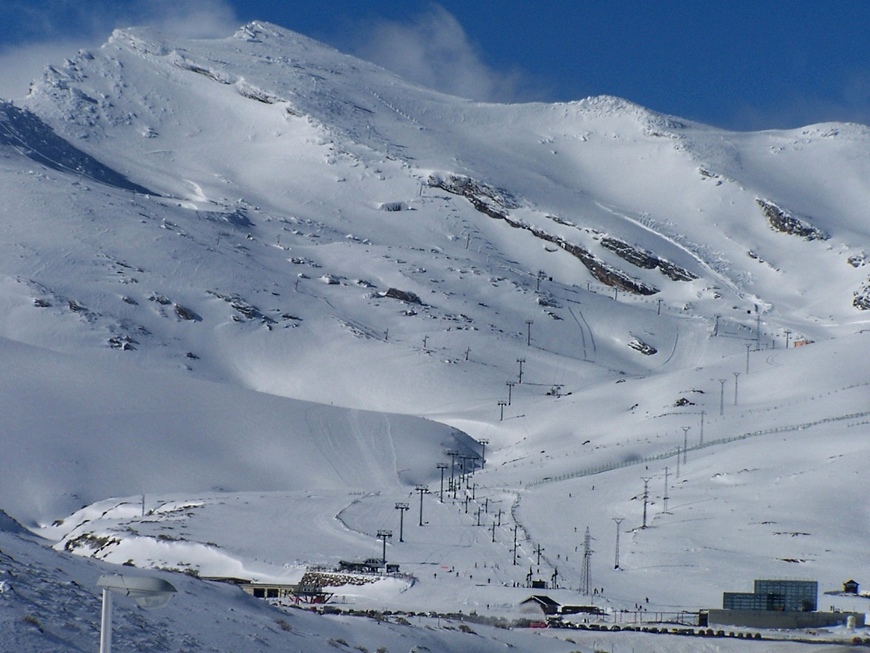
(495, 203)
(403, 295)
(781, 220)
(645, 259)
(861, 300)
(644, 348)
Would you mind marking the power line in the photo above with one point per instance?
(646, 481)
(686, 430)
(586, 576)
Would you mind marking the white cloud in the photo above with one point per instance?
(188, 18)
(434, 51)
(64, 27)
(21, 65)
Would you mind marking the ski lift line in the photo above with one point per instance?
(607, 467)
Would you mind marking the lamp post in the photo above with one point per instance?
(148, 592)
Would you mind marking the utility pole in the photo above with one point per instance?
(618, 521)
(493, 531)
(529, 324)
(722, 396)
(452, 453)
(665, 497)
(586, 574)
(757, 329)
(442, 467)
(646, 481)
(538, 550)
(686, 430)
(401, 507)
(384, 535)
(736, 374)
(463, 468)
(510, 385)
(422, 489)
(479, 510)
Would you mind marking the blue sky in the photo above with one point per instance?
(739, 64)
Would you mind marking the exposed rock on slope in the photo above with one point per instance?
(495, 204)
(646, 259)
(783, 221)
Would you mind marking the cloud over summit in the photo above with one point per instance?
(434, 50)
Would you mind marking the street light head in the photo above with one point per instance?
(149, 593)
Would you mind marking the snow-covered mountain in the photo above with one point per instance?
(267, 285)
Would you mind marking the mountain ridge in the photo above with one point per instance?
(262, 282)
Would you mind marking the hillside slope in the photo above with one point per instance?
(268, 286)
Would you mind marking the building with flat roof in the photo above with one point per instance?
(778, 604)
(775, 595)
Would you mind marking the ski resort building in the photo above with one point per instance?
(778, 604)
(778, 595)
